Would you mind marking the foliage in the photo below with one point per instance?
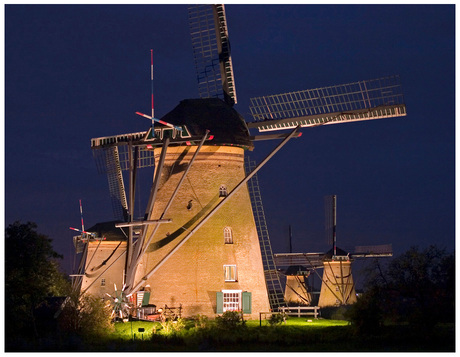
(85, 316)
(366, 314)
(201, 321)
(276, 319)
(416, 288)
(31, 276)
(172, 326)
(335, 312)
(426, 281)
(229, 320)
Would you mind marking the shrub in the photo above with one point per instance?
(335, 312)
(172, 327)
(366, 314)
(201, 321)
(276, 319)
(86, 316)
(229, 320)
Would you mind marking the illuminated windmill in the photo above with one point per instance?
(338, 287)
(202, 241)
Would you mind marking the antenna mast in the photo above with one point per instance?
(81, 215)
(152, 117)
(334, 223)
(151, 79)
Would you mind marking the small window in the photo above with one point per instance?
(103, 282)
(223, 191)
(228, 235)
(337, 288)
(230, 273)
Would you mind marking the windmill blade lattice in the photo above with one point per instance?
(211, 49)
(364, 100)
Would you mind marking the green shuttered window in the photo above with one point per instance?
(219, 302)
(233, 300)
(247, 302)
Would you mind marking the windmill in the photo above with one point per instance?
(338, 287)
(81, 245)
(198, 243)
(296, 291)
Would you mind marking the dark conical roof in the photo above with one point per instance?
(224, 123)
(296, 270)
(339, 253)
(109, 231)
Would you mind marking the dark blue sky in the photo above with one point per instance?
(77, 72)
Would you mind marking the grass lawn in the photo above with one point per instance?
(129, 330)
(298, 334)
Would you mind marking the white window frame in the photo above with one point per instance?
(232, 300)
(230, 272)
(228, 235)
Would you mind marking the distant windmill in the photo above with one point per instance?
(338, 287)
(296, 291)
(197, 243)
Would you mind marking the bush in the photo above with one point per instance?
(201, 321)
(335, 312)
(366, 315)
(172, 327)
(276, 319)
(86, 316)
(229, 320)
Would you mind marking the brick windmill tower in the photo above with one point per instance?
(338, 287)
(199, 243)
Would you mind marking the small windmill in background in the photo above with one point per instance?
(338, 286)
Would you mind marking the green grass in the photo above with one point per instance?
(302, 321)
(128, 330)
(297, 335)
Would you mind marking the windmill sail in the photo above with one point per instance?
(211, 49)
(108, 161)
(364, 100)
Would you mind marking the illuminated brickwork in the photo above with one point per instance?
(99, 280)
(296, 291)
(195, 273)
(338, 286)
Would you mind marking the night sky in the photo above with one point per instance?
(76, 72)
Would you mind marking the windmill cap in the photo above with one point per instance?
(339, 253)
(224, 123)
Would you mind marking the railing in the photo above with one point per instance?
(300, 311)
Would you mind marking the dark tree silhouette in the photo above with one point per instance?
(417, 287)
(32, 276)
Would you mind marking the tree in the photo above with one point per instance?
(417, 287)
(425, 280)
(32, 275)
